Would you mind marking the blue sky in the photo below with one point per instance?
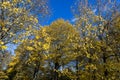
(60, 9)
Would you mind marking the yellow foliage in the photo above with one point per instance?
(46, 46)
(6, 4)
(30, 48)
(37, 36)
(15, 10)
(48, 39)
(9, 70)
(4, 47)
(12, 64)
(1, 42)
(29, 1)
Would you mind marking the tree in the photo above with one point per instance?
(64, 41)
(51, 48)
(4, 60)
(94, 25)
(89, 49)
(17, 18)
(113, 42)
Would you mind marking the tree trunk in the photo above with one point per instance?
(55, 72)
(105, 70)
(36, 70)
(77, 69)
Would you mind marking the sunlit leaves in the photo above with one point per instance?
(55, 43)
(98, 43)
(30, 48)
(6, 4)
(3, 76)
(2, 46)
(89, 49)
(60, 45)
(46, 46)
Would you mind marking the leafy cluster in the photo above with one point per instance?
(62, 51)
(86, 50)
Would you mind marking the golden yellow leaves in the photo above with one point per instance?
(39, 43)
(31, 18)
(91, 66)
(34, 59)
(2, 24)
(1, 42)
(15, 1)
(4, 29)
(37, 36)
(36, 20)
(30, 48)
(12, 63)
(16, 10)
(2, 46)
(46, 46)
(9, 70)
(29, 1)
(6, 4)
(109, 49)
(47, 39)
(88, 55)
(66, 72)
(21, 25)
(3, 75)
(43, 31)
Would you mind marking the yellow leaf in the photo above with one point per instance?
(37, 37)
(1, 42)
(30, 48)
(46, 46)
(3, 47)
(48, 39)
(29, 1)
(88, 55)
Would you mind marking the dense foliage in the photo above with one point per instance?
(89, 49)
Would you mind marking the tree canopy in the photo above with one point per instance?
(88, 49)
